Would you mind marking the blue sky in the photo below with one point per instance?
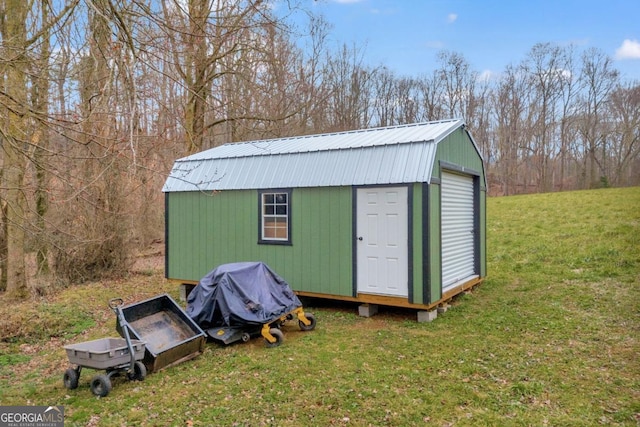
(406, 35)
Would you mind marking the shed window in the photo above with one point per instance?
(275, 216)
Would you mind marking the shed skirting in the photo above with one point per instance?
(397, 301)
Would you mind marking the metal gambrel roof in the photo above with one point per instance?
(389, 155)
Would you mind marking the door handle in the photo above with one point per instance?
(360, 238)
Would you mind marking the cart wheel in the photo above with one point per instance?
(245, 337)
(71, 378)
(278, 335)
(139, 372)
(311, 318)
(100, 385)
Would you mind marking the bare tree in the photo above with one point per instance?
(94, 238)
(25, 129)
(269, 97)
(209, 40)
(480, 121)
(510, 110)
(40, 140)
(624, 108)
(14, 141)
(458, 81)
(599, 79)
(350, 84)
(545, 68)
(385, 101)
(568, 86)
(311, 74)
(430, 88)
(408, 103)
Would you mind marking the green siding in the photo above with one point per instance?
(196, 240)
(457, 149)
(418, 282)
(483, 233)
(435, 260)
(206, 230)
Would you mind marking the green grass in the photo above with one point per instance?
(550, 339)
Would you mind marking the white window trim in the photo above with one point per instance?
(262, 203)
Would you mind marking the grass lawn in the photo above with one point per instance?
(551, 338)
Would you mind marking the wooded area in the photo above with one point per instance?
(100, 96)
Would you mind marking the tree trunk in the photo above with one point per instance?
(40, 143)
(14, 38)
(197, 66)
(3, 243)
(16, 221)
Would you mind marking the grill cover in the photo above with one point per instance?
(239, 295)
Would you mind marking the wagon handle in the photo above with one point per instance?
(115, 303)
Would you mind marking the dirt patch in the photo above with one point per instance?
(150, 260)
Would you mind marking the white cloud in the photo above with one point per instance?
(566, 74)
(452, 17)
(630, 49)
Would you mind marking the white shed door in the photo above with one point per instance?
(458, 236)
(382, 241)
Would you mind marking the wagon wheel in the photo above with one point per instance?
(278, 335)
(100, 385)
(310, 327)
(138, 373)
(70, 378)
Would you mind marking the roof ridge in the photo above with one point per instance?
(343, 132)
(333, 141)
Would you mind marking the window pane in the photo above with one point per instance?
(281, 233)
(275, 216)
(281, 228)
(269, 231)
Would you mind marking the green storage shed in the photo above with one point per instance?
(393, 216)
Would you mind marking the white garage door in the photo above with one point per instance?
(458, 235)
